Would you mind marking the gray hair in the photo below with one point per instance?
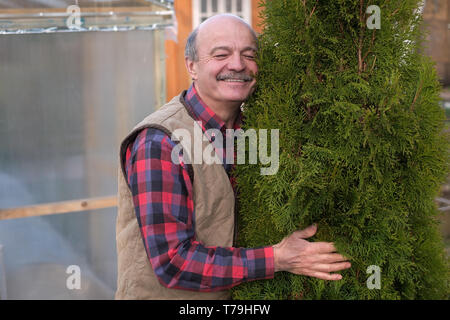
(190, 50)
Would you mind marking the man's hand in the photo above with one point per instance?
(314, 259)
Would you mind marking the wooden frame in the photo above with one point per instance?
(197, 15)
(59, 207)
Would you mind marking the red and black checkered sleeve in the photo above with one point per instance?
(162, 195)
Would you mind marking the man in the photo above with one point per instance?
(176, 220)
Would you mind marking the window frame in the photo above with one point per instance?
(197, 15)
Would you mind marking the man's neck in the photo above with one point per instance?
(227, 112)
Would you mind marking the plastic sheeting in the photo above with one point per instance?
(66, 101)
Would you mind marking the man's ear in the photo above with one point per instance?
(190, 68)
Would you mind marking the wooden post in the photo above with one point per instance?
(177, 78)
(59, 207)
(256, 20)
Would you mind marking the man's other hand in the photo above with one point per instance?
(315, 259)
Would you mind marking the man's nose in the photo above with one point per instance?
(236, 63)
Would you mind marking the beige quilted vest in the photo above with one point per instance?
(214, 204)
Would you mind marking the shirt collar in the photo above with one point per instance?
(208, 118)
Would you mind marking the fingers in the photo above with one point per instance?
(307, 232)
(332, 267)
(322, 247)
(323, 275)
(329, 258)
(322, 271)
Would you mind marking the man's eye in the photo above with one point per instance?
(250, 57)
(220, 56)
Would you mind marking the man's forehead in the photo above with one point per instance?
(225, 31)
(221, 19)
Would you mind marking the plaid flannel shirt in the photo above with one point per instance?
(163, 200)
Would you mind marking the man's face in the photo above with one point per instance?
(226, 67)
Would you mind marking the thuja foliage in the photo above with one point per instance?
(362, 149)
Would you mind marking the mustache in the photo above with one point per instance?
(234, 76)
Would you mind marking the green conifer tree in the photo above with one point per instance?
(362, 148)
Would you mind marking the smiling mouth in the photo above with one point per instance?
(234, 80)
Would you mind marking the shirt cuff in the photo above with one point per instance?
(260, 263)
